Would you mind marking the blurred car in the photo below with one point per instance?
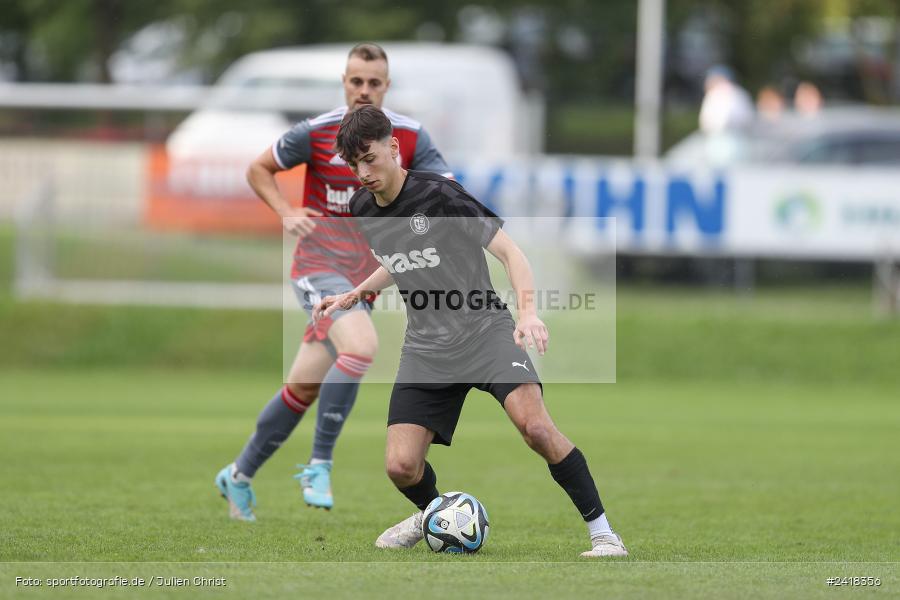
(468, 97)
(845, 135)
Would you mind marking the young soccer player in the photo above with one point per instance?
(331, 257)
(429, 236)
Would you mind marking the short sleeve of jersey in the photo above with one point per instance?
(294, 147)
(479, 223)
(427, 157)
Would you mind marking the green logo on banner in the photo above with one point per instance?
(799, 212)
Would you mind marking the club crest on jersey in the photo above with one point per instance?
(401, 262)
(419, 224)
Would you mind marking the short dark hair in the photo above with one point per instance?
(359, 128)
(368, 51)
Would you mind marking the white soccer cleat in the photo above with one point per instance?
(405, 534)
(606, 544)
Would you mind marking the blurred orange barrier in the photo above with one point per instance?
(210, 195)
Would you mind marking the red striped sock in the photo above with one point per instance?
(353, 365)
(292, 401)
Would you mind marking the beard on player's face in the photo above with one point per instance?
(365, 82)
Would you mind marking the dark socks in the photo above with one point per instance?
(572, 475)
(423, 492)
(276, 422)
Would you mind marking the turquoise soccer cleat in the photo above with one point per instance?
(316, 483)
(239, 495)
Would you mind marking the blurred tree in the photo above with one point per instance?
(878, 72)
(861, 8)
(582, 49)
(224, 30)
(603, 66)
(14, 26)
(757, 36)
(579, 53)
(72, 39)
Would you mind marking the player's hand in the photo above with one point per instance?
(531, 333)
(300, 221)
(329, 304)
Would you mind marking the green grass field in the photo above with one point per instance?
(719, 489)
(750, 448)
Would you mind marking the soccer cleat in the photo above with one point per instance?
(316, 483)
(606, 544)
(404, 534)
(239, 495)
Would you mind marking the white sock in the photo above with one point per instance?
(319, 461)
(238, 477)
(599, 526)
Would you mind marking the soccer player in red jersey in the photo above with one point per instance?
(331, 258)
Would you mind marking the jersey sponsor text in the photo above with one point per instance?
(338, 201)
(401, 262)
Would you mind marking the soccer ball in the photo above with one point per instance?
(455, 522)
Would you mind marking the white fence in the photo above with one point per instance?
(91, 180)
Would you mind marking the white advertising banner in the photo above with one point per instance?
(837, 213)
(819, 213)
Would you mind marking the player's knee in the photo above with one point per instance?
(304, 392)
(363, 348)
(403, 471)
(538, 434)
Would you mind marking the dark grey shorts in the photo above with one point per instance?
(430, 391)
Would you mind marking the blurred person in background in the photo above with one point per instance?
(808, 99)
(726, 105)
(331, 257)
(770, 104)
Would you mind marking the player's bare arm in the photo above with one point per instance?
(374, 283)
(261, 177)
(530, 330)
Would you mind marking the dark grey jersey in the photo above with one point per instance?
(431, 239)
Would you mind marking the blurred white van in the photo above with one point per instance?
(467, 97)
